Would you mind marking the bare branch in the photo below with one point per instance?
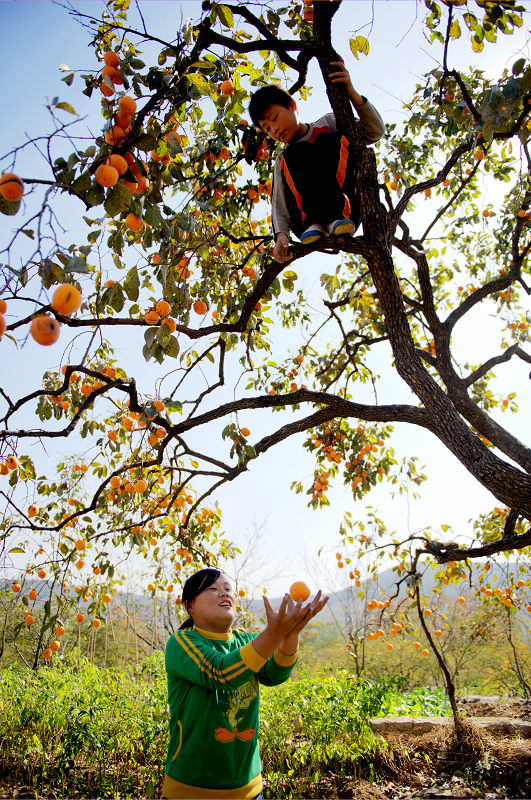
(478, 373)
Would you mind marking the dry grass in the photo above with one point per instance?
(501, 765)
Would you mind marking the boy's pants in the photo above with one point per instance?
(318, 180)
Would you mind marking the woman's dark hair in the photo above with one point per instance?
(195, 584)
(267, 96)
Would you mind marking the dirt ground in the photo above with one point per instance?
(512, 707)
(430, 766)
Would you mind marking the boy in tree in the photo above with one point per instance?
(313, 178)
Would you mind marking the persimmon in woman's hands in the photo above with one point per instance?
(299, 591)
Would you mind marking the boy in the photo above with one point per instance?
(313, 178)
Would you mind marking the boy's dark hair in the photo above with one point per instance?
(196, 584)
(267, 96)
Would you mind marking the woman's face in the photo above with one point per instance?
(214, 608)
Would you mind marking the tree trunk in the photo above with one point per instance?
(507, 483)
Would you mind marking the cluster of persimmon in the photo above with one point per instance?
(9, 465)
(125, 169)
(358, 464)
(505, 594)
(500, 512)
(340, 562)
(182, 268)
(44, 328)
(241, 435)
(505, 295)
(320, 485)
(82, 388)
(205, 518)
(157, 505)
(276, 385)
(86, 593)
(394, 630)
(393, 184)
(249, 272)
(331, 445)
(184, 554)
(161, 310)
(116, 166)
(111, 71)
(518, 326)
(354, 575)
(119, 486)
(262, 154)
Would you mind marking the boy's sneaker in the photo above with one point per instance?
(341, 227)
(312, 234)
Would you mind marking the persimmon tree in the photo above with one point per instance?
(174, 197)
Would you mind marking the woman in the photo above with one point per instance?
(213, 677)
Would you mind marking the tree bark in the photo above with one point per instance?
(509, 484)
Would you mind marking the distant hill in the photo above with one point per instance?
(336, 609)
(339, 602)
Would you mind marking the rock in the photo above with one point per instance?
(497, 726)
(411, 725)
(480, 698)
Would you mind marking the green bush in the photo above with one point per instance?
(81, 731)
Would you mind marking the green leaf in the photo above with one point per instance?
(28, 232)
(16, 550)
(173, 145)
(153, 216)
(470, 21)
(117, 299)
(199, 82)
(163, 335)
(9, 207)
(146, 142)
(487, 131)
(150, 336)
(172, 348)
(174, 405)
(132, 284)
(76, 264)
(50, 273)
(455, 30)
(518, 66)
(225, 16)
(95, 196)
(117, 200)
(27, 468)
(83, 183)
(93, 236)
(68, 79)
(67, 107)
